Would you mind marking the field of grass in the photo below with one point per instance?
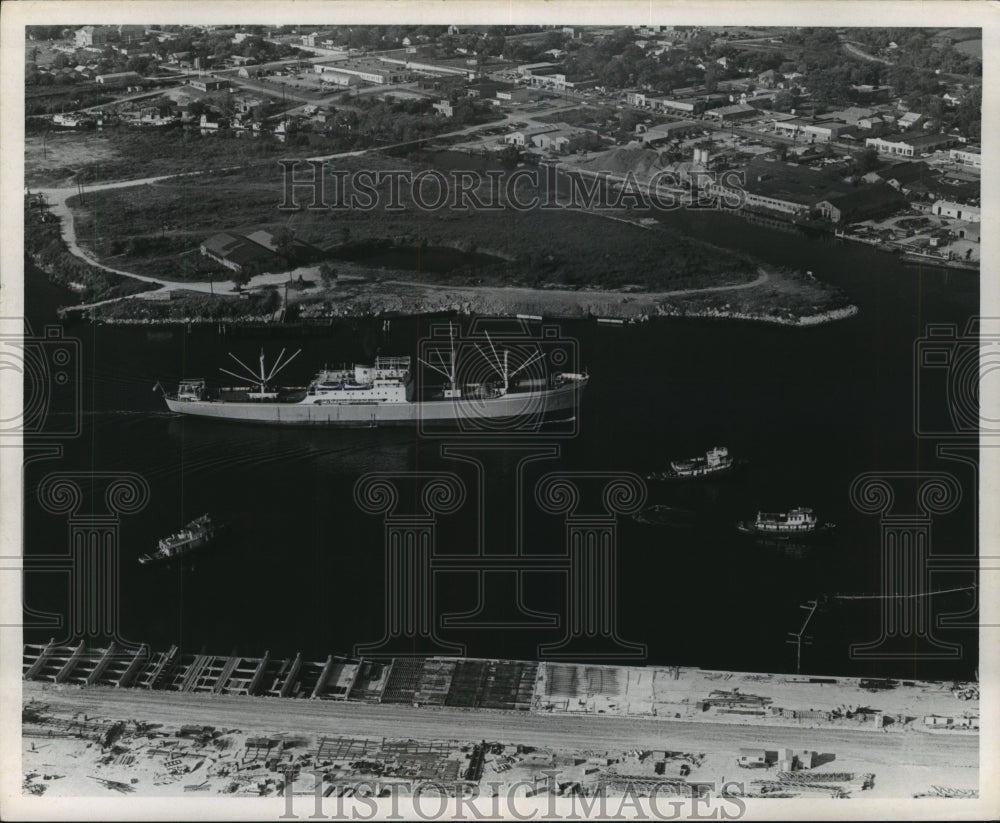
(61, 159)
(538, 248)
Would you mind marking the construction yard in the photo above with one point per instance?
(210, 726)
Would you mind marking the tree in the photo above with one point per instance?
(711, 79)
(328, 274)
(783, 100)
(867, 160)
(284, 242)
(509, 156)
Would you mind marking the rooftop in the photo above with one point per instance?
(793, 183)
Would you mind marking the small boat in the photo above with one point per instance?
(660, 515)
(195, 534)
(800, 522)
(716, 461)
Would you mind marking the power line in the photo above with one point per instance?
(900, 596)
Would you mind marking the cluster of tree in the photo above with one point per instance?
(62, 65)
(44, 245)
(44, 32)
(617, 62)
(586, 141)
(221, 45)
(373, 122)
(743, 61)
(367, 38)
(919, 49)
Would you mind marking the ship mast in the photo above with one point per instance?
(262, 378)
(447, 370)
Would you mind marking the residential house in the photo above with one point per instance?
(94, 36)
(910, 120)
(875, 124)
(768, 79)
(444, 107)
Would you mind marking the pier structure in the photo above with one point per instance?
(540, 687)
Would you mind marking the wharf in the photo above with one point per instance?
(653, 692)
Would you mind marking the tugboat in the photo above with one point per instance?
(715, 461)
(195, 534)
(794, 523)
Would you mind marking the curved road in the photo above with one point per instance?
(57, 200)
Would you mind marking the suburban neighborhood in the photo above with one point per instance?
(869, 135)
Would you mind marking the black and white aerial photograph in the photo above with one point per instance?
(460, 410)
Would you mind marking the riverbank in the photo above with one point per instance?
(843, 736)
(773, 296)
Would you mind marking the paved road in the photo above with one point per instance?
(273, 715)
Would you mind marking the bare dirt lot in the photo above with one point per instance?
(904, 763)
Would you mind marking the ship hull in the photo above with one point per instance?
(671, 475)
(176, 552)
(471, 411)
(785, 534)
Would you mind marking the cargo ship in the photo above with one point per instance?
(383, 392)
(799, 522)
(195, 534)
(715, 461)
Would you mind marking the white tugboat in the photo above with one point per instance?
(716, 461)
(799, 522)
(194, 535)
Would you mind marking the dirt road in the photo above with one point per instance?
(273, 715)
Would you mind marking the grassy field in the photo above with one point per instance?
(154, 229)
(60, 159)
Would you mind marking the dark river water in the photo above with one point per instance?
(300, 567)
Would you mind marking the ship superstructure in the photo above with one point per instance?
(194, 535)
(716, 460)
(793, 523)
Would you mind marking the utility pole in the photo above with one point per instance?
(800, 635)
